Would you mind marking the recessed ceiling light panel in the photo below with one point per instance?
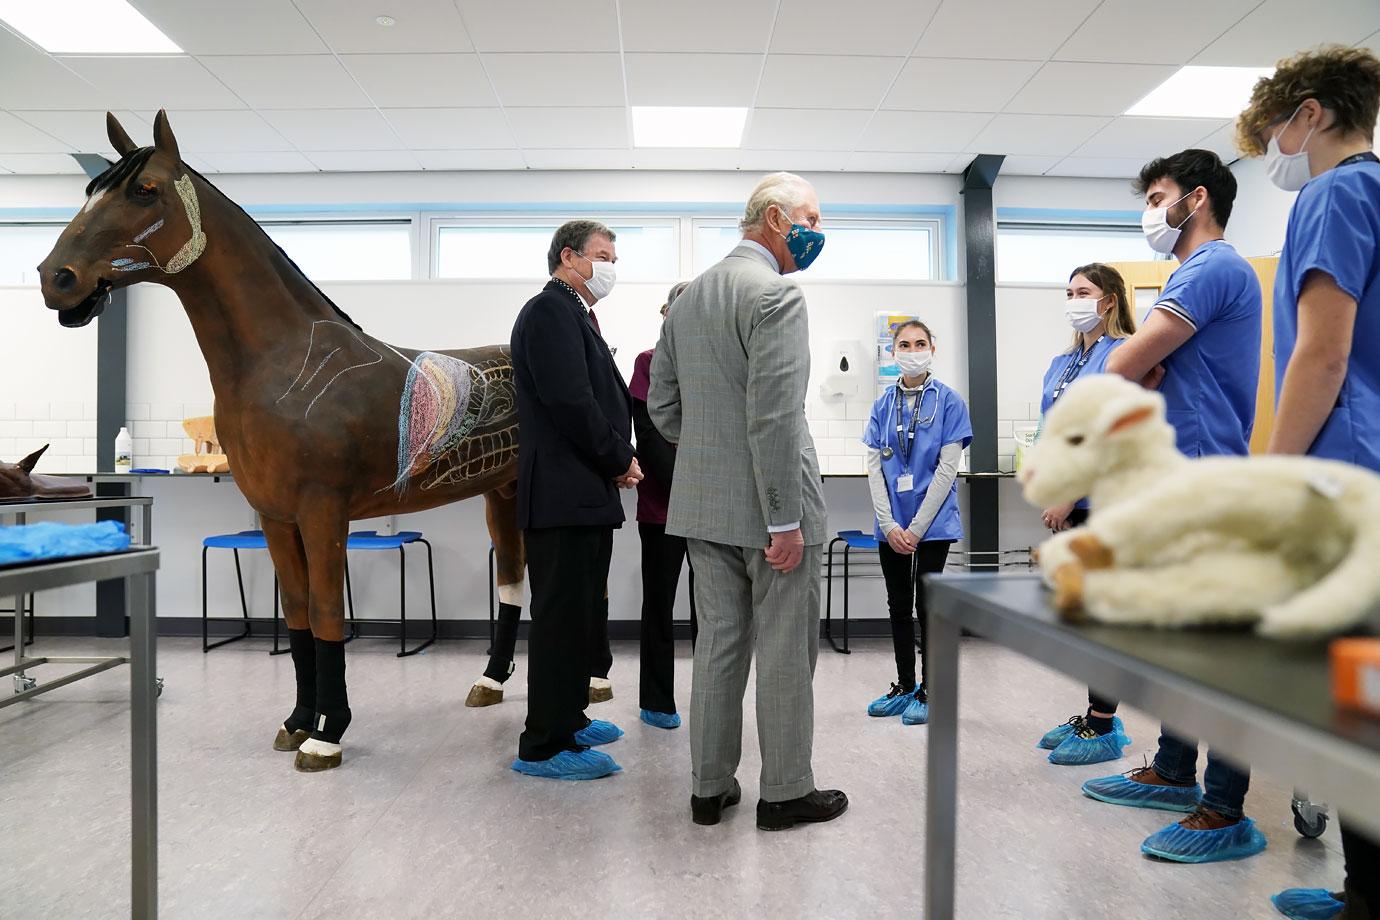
(687, 126)
(1202, 92)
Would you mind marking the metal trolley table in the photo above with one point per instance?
(1262, 701)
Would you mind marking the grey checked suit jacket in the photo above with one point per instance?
(728, 388)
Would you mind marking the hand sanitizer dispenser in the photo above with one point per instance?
(846, 371)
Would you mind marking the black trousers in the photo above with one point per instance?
(1078, 517)
(1362, 856)
(904, 593)
(662, 556)
(568, 568)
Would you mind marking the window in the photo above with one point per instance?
(375, 250)
(854, 249)
(1039, 253)
(647, 250)
(22, 247)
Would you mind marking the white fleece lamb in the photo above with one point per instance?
(1290, 542)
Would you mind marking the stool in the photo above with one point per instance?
(851, 540)
(372, 540)
(245, 539)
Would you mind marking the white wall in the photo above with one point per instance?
(1261, 212)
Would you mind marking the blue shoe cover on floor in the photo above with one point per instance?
(1055, 736)
(661, 719)
(48, 540)
(1307, 903)
(569, 765)
(893, 704)
(598, 732)
(917, 712)
(1180, 844)
(1120, 790)
(1079, 749)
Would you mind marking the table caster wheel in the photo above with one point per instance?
(1310, 820)
(22, 684)
(158, 686)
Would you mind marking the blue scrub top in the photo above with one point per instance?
(943, 420)
(1334, 227)
(1066, 363)
(1210, 381)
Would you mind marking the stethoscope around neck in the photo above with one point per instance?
(905, 437)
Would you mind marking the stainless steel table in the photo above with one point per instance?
(1263, 702)
(137, 568)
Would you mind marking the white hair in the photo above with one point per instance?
(785, 190)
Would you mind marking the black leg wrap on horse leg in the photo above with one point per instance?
(303, 648)
(504, 649)
(332, 703)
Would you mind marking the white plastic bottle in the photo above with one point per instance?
(124, 451)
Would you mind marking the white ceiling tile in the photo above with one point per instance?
(685, 158)
(1061, 88)
(1005, 29)
(1279, 28)
(350, 26)
(692, 79)
(541, 25)
(155, 82)
(85, 131)
(556, 79)
(451, 129)
(18, 137)
(30, 79)
(1116, 31)
(804, 129)
(294, 81)
(1147, 138)
(888, 27)
(363, 160)
(958, 85)
(922, 132)
(470, 159)
(796, 161)
(874, 161)
(705, 25)
(258, 162)
(1036, 135)
(1012, 166)
(1222, 142)
(224, 131)
(1099, 168)
(579, 159)
(241, 27)
(557, 128)
(334, 129)
(421, 80)
(835, 82)
(39, 164)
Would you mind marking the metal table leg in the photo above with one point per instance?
(143, 749)
(941, 768)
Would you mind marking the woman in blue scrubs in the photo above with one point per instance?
(1097, 308)
(915, 438)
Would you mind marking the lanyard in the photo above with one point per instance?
(1365, 156)
(905, 443)
(1073, 369)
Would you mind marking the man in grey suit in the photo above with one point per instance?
(728, 386)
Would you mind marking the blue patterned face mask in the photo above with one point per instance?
(803, 243)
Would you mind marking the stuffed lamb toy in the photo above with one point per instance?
(1289, 543)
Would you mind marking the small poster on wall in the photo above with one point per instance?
(887, 371)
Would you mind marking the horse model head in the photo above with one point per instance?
(14, 477)
(141, 222)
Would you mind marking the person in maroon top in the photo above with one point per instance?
(662, 553)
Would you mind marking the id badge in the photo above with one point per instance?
(905, 482)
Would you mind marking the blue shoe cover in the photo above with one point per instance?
(569, 765)
(1307, 903)
(1180, 844)
(1056, 736)
(917, 712)
(661, 719)
(598, 732)
(893, 704)
(1121, 790)
(1085, 748)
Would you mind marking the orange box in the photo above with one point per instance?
(1356, 674)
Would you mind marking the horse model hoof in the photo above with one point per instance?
(481, 695)
(600, 690)
(1092, 552)
(290, 741)
(315, 756)
(1068, 591)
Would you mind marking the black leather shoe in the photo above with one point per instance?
(710, 808)
(818, 806)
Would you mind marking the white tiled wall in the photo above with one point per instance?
(68, 428)
(156, 429)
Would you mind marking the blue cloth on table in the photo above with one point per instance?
(47, 540)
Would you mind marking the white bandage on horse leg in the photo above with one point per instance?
(511, 594)
(488, 682)
(319, 748)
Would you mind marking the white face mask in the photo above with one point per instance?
(1155, 223)
(1081, 312)
(1288, 171)
(913, 363)
(601, 279)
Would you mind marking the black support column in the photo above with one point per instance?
(980, 257)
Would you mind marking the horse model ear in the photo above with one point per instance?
(118, 138)
(31, 461)
(163, 138)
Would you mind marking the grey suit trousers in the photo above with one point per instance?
(745, 606)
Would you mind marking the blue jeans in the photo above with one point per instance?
(1224, 786)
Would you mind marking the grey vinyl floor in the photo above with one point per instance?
(425, 819)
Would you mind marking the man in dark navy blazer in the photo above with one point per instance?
(574, 453)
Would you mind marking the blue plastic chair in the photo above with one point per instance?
(372, 540)
(851, 540)
(245, 539)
